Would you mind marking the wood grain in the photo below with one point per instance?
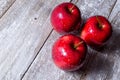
(23, 31)
(5, 5)
(114, 45)
(105, 66)
(97, 68)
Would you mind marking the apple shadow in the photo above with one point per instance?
(112, 46)
(96, 64)
(101, 62)
(98, 61)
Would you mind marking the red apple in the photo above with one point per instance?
(66, 17)
(97, 31)
(69, 52)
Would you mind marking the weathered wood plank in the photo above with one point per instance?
(43, 67)
(95, 7)
(23, 30)
(114, 43)
(5, 5)
(106, 65)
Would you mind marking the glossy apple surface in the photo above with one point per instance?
(97, 31)
(65, 18)
(69, 52)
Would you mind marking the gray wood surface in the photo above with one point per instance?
(4, 6)
(26, 39)
(99, 66)
(23, 30)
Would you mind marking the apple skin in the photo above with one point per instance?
(65, 18)
(96, 31)
(66, 56)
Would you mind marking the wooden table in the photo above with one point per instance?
(26, 38)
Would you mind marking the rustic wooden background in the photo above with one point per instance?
(26, 38)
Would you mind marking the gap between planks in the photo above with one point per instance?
(36, 55)
(84, 73)
(7, 9)
(112, 8)
(86, 67)
(106, 78)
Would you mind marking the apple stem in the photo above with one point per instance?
(73, 5)
(100, 24)
(75, 46)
